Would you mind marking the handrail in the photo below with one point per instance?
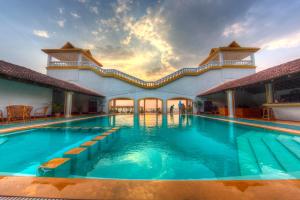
(150, 84)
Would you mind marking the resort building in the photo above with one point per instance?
(26, 89)
(127, 94)
(225, 83)
(271, 93)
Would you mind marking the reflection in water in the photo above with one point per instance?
(151, 120)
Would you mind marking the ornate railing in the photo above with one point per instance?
(150, 84)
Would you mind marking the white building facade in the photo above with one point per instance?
(78, 66)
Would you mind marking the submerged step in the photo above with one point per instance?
(297, 139)
(57, 167)
(290, 144)
(247, 160)
(92, 147)
(266, 161)
(78, 156)
(286, 159)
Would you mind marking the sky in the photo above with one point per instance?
(149, 38)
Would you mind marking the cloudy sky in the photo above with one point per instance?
(149, 38)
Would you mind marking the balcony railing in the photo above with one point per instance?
(151, 84)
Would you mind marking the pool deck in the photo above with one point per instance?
(38, 124)
(73, 188)
(283, 126)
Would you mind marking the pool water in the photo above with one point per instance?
(160, 147)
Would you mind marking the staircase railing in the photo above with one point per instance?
(150, 84)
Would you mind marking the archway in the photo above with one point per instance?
(121, 105)
(188, 104)
(150, 105)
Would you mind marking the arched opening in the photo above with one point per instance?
(186, 102)
(150, 105)
(121, 105)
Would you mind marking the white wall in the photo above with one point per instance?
(188, 86)
(18, 93)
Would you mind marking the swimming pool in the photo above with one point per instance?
(158, 147)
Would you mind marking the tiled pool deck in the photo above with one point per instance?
(74, 188)
(284, 126)
(6, 128)
(71, 188)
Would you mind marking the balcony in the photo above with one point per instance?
(151, 84)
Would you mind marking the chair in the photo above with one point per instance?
(27, 112)
(16, 112)
(41, 112)
(267, 113)
(1, 116)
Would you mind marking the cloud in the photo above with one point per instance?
(82, 1)
(94, 9)
(75, 15)
(115, 52)
(235, 29)
(61, 23)
(41, 33)
(285, 42)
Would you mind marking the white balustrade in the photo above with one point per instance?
(149, 83)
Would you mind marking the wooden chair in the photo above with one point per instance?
(27, 112)
(41, 112)
(1, 116)
(17, 112)
(267, 113)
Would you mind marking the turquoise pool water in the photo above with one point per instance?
(160, 147)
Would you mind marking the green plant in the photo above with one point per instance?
(57, 108)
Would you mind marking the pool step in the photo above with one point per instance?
(285, 158)
(296, 139)
(290, 144)
(80, 160)
(247, 160)
(57, 167)
(266, 161)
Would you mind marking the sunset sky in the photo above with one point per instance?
(149, 39)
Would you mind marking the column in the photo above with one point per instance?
(68, 104)
(49, 60)
(230, 102)
(221, 59)
(79, 59)
(136, 106)
(165, 106)
(269, 93)
(252, 59)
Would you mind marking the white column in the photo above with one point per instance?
(269, 93)
(49, 60)
(136, 106)
(165, 106)
(221, 58)
(79, 59)
(230, 102)
(253, 59)
(68, 104)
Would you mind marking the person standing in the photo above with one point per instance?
(180, 107)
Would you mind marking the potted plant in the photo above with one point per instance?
(57, 109)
